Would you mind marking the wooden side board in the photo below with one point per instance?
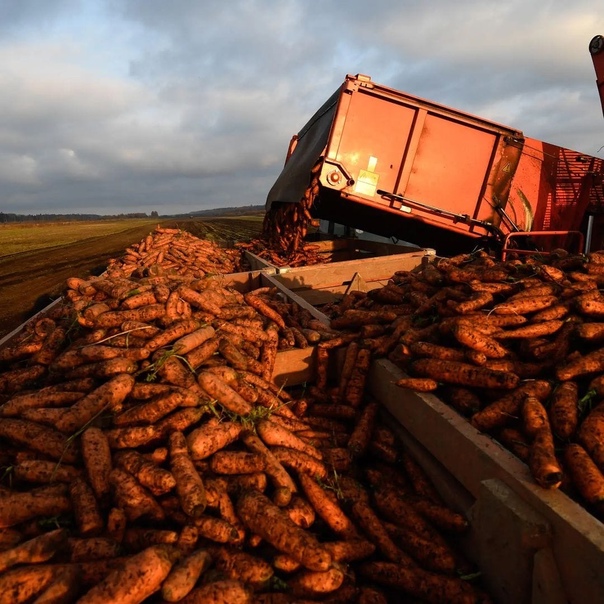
(575, 537)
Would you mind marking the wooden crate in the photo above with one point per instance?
(533, 545)
(327, 283)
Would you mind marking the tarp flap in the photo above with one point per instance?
(294, 178)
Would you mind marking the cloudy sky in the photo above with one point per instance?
(137, 105)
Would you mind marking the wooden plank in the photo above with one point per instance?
(294, 366)
(256, 263)
(473, 457)
(270, 280)
(333, 275)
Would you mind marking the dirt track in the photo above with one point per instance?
(31, 280)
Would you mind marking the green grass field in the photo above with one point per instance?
(23, 237)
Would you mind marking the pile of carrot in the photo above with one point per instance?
(171, 250)
(515, 346)
(148, 456)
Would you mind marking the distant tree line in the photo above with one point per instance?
(10, 217)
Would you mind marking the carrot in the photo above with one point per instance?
(263, 308)
(223, 393)
(50, 347)
(154, 478)
(20, 350)
(373, 527)
(63, 588)
(174, 332)
(85, 508)
(420, 482)
(591, 362)
(189, 484)
(151, 411)
(300, 511)
(479, 342)
(245, 332)
(463, 400)
(139, 577)
(315, 583)
(116, 524)
(432, 587)
(48, 417)
(534, 416)
(532, 330)
(273, 468)
(499, 413)
(144, 314)
(564, 410)
(241, 566)
(350, 357)
(464, 374)
(584, 474)
(133, 436)
(39, 549)
(135, 500)
(593, 332)
(356, 384)
(21, 378)
(216, 529)
(299, 461)
(268, 354)
(350, 550)
(220, 591)
(36, 437)
(591, 434)
(237, 462)
(430, 554)
(42, 471)
(41, 398)
(109, 395)
(542, 461)
(181, 420)
(437, 351)
(185, 574)
(525, 304)
(16, 507)
(20, 585)
(274, 526)
(275, 435)
(590, 307)
(198, 356)
(92, 548)
(174, 371)
(138, 538)
(360, 436)
(101, 352)
(516, 442)
(327, 508)
(97, 461)
(211, 437)
(140, 329)
(192, 340)
(439, 515)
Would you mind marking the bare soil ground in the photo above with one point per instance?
(30, 280)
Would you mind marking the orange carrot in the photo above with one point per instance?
(109, 395)
(223, 393)
(130, 495)
(39, 549)
(534, 416)
(189, 485)
(584, 473)
(237, 462)
(151, 411)
(185, 574)
(274, 526)
(275, 435)
(85, 508)
(315, 583)
(211, 437)
(138, 578)
(154, 478)
(360, 436)
(17, 507)
(564, 410)
(42, 471)
(24, 583)
(97, 461)
(542, 460)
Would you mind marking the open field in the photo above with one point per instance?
(36, 259)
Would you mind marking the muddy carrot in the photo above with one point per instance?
(109, 395)
(211, 437)
(361, 435)
(542, 461)
(151, 411)
(39, 438)
(135, 500)
(185, 574)
(39, 399)
(315, 583)
(17, 507)
(96, 455)
(63, 588)
(223, 393)
(139, 577)
(24, 583)
(116, 524)
(41, 471)
(237, 462)
(189, 485)
(299, 461)
(584, 474)
(356, 384)
(591, 362)
(39, 549)
(220, 591)
(466, 335)
(591, 434)
(85, 508)
(534, 416)
(271, 523)
(275, 435)
(216, 529)
(158, 480)
(564, 410)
